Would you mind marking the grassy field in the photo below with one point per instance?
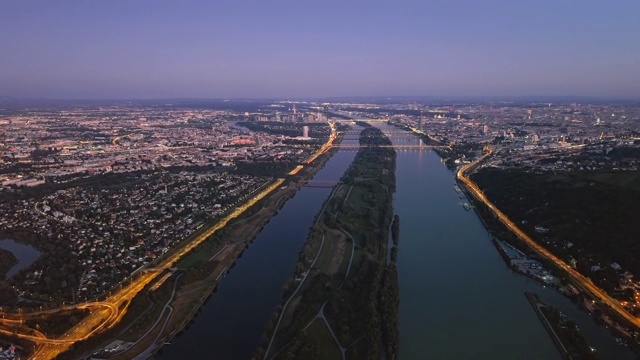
(328, 349)
(201, 254)
(352, 304)
(627, 180)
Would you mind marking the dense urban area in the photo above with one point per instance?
(102, 191)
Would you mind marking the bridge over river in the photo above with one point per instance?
(418, 146)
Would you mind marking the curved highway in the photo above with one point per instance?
(106, 314)
(576, 277)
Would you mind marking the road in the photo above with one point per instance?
(576, 277)
(284, 307)
(108, 317)
(324, 147)
(106, 314)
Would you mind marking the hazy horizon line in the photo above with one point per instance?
(310, 98)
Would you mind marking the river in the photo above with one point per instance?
(232, 322)
(25, 254)
(458, 299)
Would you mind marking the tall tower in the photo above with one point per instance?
(294, 110)
(420, 122)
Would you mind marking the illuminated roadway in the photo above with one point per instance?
(106, 314)
(325, 147)
(579, 280)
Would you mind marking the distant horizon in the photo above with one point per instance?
(319, 98)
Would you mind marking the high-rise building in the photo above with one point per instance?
(311, 117)
(305, 131)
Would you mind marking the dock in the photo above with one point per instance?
(522, 264)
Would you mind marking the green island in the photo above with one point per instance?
(343, 299)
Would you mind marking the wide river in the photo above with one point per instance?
(458, 300)
(232, 322)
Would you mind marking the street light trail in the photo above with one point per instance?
(577, 278)
(106, 314)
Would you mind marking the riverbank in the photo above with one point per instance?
(7, 261)
(167, 307)
(563, 332)
(521, 263)
(340, 302)
(503, 228)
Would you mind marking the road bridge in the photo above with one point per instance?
(404, 147)
(386, 132)
(377, 120)
(322, 183)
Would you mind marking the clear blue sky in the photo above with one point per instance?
(306, 48)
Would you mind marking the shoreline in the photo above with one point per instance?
(536, 304)
(201, 290)
(563, 331)
(507, 235)
(7, 261)
(131, 304)
(326, 271)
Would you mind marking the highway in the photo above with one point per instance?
(106, 314)
(576, 277)
(325, 147)
(114, 307)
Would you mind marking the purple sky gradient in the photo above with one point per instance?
(306, 48)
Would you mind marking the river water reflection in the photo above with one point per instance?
(458, 300)
(231, 324)
(25, 254)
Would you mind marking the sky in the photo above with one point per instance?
(119, 49)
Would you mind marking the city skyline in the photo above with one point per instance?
(285, 49)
